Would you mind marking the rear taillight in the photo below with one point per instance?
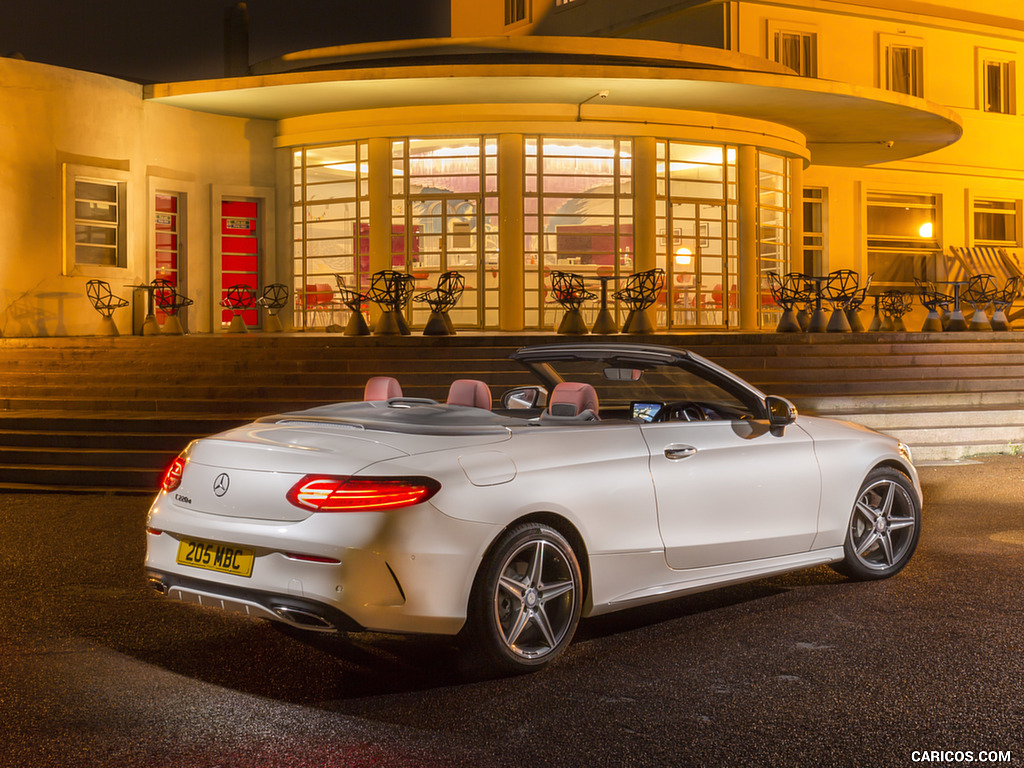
(337, 493)
(172, 477)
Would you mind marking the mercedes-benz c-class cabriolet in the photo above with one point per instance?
(623, 474)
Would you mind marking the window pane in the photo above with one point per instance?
(95, 190)
(995, 221)
(901, 236)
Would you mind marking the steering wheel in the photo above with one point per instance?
(682, 411)
(690, 412)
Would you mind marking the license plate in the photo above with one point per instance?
(224, 558)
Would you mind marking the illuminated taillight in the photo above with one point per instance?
(336, 493)
(172, 477)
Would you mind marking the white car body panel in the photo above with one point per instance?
(771, 509)
(752, 501)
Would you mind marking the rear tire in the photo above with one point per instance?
(526, 601)
(884, 527)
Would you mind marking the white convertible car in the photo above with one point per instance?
(628, 474)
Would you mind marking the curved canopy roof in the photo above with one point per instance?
(844, 124)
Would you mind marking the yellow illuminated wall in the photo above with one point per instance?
(63, 124)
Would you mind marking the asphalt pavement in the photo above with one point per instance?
(808, 669)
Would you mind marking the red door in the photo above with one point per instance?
(240, 252)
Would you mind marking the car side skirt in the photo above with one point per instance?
(711, 577)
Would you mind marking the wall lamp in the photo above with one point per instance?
(579, 107)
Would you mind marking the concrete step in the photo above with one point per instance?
(111, 413)
(837, 406)
(53, 476)
(84, 457)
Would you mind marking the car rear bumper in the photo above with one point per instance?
(404, 571)
(296, 611)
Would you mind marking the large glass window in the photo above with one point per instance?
(516, 11)
(902, 233)
(797, 50)
(330, 228)
(445, 218)
(814, 231)
(697, 234)
(99, 222)
(996, 221)
(997, 86)
(903, 67)
(578, 214)
(773, 228)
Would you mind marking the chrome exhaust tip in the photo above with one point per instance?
(158, 585)
(301, 618)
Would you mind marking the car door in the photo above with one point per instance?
(730, 491)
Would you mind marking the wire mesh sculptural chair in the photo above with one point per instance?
(441, 301)
(853, 306)
(569, 291)
(273, 299)
(104, 302)
(238, 298)
(894, 305)
(785, 295)
(170, 302)
(981, 290)
(937, 304)
(391, 291)
(353, 301)
(640, 292)
(1002, 302)
(839, 290)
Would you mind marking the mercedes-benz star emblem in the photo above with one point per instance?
(220, 485)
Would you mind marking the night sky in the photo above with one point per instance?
(168, 40)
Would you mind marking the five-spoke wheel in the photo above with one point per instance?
(527, 599)
(884, 527)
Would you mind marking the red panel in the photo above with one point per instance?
(239, 244)
(242, 209)
(226, 281)
(167, 203)
(231, 263)
(166, 242)
(165, 260)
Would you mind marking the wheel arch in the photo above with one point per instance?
(903, 469)
(560, 524)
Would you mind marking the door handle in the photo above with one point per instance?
(676, 452)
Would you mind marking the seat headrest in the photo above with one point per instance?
(382, 388)
(572, 399)
(470, 392)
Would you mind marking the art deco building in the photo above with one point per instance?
(719, 140)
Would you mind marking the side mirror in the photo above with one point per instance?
(781, 413)
(524, 398)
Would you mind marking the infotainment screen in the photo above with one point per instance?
(646, 412)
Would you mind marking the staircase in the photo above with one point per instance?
(88, 414)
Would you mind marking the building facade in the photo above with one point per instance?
(719, 141)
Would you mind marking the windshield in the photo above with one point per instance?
(620, 387)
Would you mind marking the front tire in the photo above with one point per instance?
(884, 527)
(526, 601)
